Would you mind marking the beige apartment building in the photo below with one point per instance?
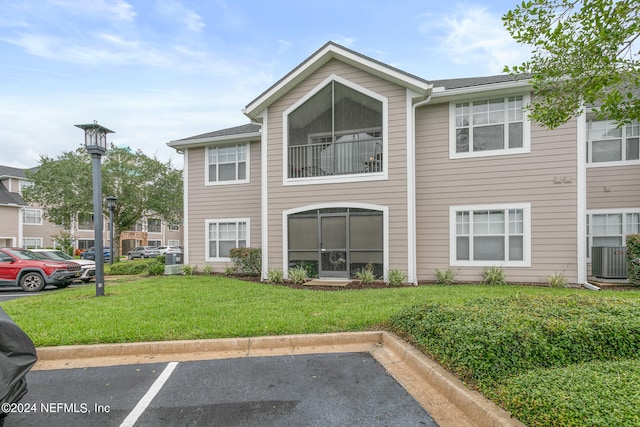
(348, 162)
(25, 226)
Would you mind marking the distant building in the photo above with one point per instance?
(23, 225)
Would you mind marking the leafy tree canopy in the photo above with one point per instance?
(583, 53)
(144, 186)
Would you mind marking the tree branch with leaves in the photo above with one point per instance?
(583, 53)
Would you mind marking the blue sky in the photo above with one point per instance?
(158, 70)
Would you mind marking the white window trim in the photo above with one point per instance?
(173, 242)
(526, 238)
(32, 223)
(359, 177)
(526, 129)
(590, 164)
(246, 180)
(217, 221)
(623, 212)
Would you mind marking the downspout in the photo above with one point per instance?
(581, 189)
(412, 228)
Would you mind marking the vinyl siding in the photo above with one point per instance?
(519, 178)
(220, 201)
(391, 192)
(9, 220)
(614, 187)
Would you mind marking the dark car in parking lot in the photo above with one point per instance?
(91, 254)
(144, 252)
(33, 272)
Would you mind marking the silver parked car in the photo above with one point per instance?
(88, 266)
(143, 252)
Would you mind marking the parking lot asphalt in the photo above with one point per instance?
(337, 389)
(360, 378)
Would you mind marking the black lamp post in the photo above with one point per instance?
(95, 140)
(111, 205)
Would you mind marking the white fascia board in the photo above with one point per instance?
(324, 55)
(441, 93)
(197, 142)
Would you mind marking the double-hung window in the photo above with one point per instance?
(491, 235)
(32, 216)
(227, 164)
(32, 242)
(611, 228)
(608, 143)
(489, 127)
(224, 235)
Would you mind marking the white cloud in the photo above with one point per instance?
(116, 9)
(179, 12)
(472, 35)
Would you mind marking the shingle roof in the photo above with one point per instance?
(7, 171)
(236, 130)
(449, 84)
(9, 198)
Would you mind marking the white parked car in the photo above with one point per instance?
(88, 266)
(170, 250)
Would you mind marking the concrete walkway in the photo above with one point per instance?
(446, 398)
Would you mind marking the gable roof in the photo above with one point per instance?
(243, 132)
(323, 55)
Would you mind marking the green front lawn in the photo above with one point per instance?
(179, 307)
(551, 356)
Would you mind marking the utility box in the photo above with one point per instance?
(609, 262)
(172, 259)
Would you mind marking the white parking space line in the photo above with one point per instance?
(148, 397)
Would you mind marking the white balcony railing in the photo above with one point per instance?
(339, 158)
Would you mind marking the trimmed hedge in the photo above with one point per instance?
(591, 394)
(246, 260)
(131, 267)
(633, 258)
(485, 341)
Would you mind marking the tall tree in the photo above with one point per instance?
(583, 53)
(144, 186)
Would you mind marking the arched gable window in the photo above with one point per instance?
(337, 131)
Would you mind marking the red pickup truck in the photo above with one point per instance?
(33, 272)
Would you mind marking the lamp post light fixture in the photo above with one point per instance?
(111, 205)
(95, 141)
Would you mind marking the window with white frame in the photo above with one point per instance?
(173, 227)
(611, 228)
(154, 225)
(173, 242)
(489, 127)
(491, 235)
(607, 142)
(85, 222)
(224, 235)
(227, 163)
(155, 243)
(32, 216)
(32, 242)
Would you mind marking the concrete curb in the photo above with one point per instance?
(444, 396)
